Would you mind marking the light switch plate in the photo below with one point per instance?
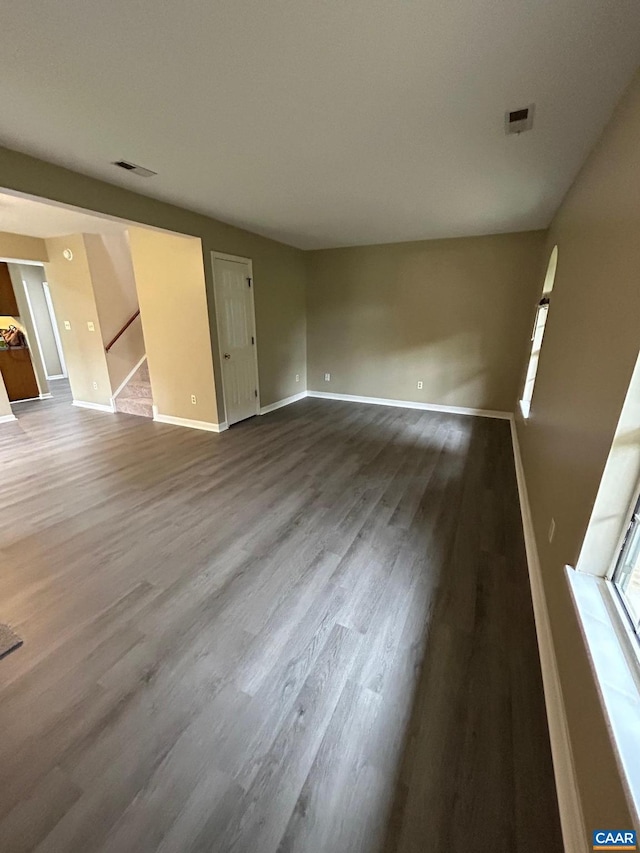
(67, 325)
(90, 326)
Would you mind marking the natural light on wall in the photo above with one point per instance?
(538, 333)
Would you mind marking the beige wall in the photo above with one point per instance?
(618, 489)
(281, 324)
(72, 295)
(587, 360)
(114, 288)
(21, 248)
(454, 314)
(170, 281)
(278, 269)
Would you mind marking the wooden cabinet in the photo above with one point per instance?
(17, 373)
(8, 304)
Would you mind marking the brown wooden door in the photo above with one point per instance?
(18, 375)
(8, 304)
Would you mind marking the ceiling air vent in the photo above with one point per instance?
(137, 170)
(517, 121)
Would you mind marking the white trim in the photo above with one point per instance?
(38, 344)
(22, 260)
(241, 260)
(57, 376)
(569, 804)
(226, 257)
(25, 400)
(614, 656)
(56, 333)
(187, 422)
(4, 419)
(410, 404)
(286, 401)
(46, 396)
(99, 407)
(126, 380)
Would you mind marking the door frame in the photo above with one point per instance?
(225, 256)
(56, 333)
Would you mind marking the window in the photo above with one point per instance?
(538, 333)
(626, 575)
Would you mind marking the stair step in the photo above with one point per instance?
(136, 397)
(138, 389)
(141, 406)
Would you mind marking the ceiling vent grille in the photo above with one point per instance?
(132, 167)
(517, 121)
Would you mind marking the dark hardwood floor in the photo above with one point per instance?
(312, 633)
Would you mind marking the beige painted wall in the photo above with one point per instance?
(21, 248)
(278, 269)
(114, 288)
(73, 300)
(618, 489)
(281, 323)
(587, 360)
(170, 281)
(454, 314)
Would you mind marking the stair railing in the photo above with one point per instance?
(122, 331)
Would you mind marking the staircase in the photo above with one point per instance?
(135, 398)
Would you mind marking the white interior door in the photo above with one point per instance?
(233, 286)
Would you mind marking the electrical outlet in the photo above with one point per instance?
(67, 325)
(193, 399)
(90, 326)
(420, 385)
(95, 386)
(327, 377)
(297, 377)
(552, 529)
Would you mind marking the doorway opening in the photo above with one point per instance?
(115, 308)
(30, 349)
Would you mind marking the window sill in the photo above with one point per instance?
(615, 660)
(525, 408)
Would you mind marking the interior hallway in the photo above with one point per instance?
(312, 632)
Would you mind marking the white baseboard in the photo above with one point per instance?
(410, 404)
(187, 422)
(381, 401)
(57, 376)
(127, 378)
(4, 419)
(570, 807)
(99, 407)
(46, 396)
(286, 401)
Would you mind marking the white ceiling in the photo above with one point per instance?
(323, 122)
(20, 215)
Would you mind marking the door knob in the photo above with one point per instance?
(227, 355)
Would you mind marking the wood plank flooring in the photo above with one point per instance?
(310, 634)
